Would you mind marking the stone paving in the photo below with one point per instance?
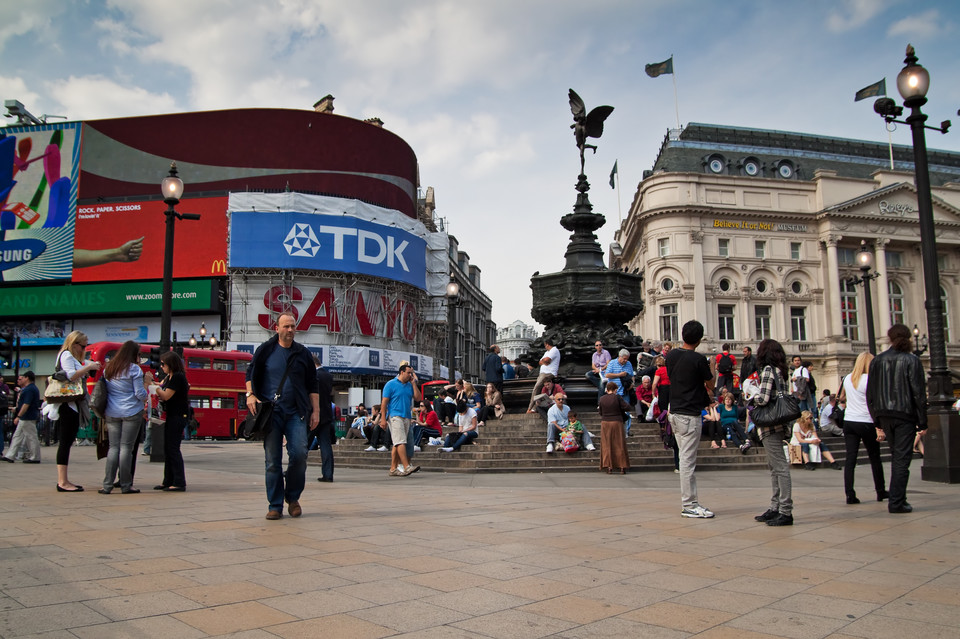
(453, 555)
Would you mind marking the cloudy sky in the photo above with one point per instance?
(479, 89)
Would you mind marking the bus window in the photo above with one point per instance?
(222, 365)
(242, 365)
(223, 402)
(198, 362)
(199, 402)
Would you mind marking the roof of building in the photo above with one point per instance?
(694, 147)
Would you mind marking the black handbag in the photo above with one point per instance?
(257, 427)
(782, 408)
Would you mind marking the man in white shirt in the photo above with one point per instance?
(828, 423)
(549, 365)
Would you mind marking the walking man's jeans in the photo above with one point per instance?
(686, 428)
(288, 488)
(782, 498)
(900, 435)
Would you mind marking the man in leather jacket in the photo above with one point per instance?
(897, 400)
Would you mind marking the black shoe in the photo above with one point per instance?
(906, 508)
(6, 459)
(767, 516)
(852, 499)
(130, 491)
(835, 465)
(103, 491)
(811, 466)
(781, 520)
(31, 461)
(75, 489)
(325, 479)
(160, 487)
(882, 495)
(175, 489)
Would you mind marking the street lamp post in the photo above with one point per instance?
(919, 344)
(172, 189)
(865, 260)
(453, 292)
(203, 341)
(941, 461)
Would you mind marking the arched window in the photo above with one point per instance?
(848, 310)
(895, 294)
(946, 315)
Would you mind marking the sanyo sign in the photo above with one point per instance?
(326, 243)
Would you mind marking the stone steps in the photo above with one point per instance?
(517, 444)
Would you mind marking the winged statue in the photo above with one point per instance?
(586, 125)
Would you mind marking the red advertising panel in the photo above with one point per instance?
(125, 240)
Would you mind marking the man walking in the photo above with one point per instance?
(284, 369)
(691, 387)
(897, 401)
(549, 366)
(493, 368)
(25, 418)
(395, 412)
(325, 432)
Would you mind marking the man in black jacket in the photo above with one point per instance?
(297, 407)
(493, 368)
(897, 401)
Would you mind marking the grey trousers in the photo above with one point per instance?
(782, 498)
(686, 428)
(25, 437)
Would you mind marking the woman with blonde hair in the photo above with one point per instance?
(858, 427)
(70, 360)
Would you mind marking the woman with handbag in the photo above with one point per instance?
(858, 427)
(774, 409)
(126, 395)
(69, 361)
(173, 392)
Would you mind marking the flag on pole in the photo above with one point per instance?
(613, 173)
(660, 68)
(872, 91)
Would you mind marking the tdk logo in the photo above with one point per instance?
(370, 247)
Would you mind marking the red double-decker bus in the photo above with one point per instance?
(217, 384)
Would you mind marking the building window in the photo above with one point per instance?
(798, 323)
(795, 250)
(724, 284)
(895, 294)
(946, 315)
(942, 261)
(761, 315)
(725, 317)
(663, 246)
(846, 256)
(848, 310)
(760, 248)
(761, 286)
(723, 247)
(796, 287)
(894, 259)
(666, 284)
(669, 323)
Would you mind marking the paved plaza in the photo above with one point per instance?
(462, 555)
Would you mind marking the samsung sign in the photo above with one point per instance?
(260, 239)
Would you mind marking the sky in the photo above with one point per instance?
(479, 89)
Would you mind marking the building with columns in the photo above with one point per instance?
(514, 339)
(756, 234)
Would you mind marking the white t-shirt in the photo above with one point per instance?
(799, 371)
(856, 410)
(554, 366)
(465, 419)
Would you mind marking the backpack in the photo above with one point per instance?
(725, 364)
(802, 385)
(812, 384)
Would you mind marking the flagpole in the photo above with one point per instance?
(676, 103)
(890, 145)
(619, 213)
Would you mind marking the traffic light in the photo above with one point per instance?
(7, 347)
(155, 358)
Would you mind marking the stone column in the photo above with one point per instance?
(883, 290)
(832, 283)
(699, 295)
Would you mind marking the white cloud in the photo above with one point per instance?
(95, 97)
(926, 25)
(13, 88)
(27, 17)
(853, 13)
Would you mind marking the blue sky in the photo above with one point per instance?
(479, 89)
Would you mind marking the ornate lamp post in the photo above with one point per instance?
(941, 460)
(453, 293)
(203, 341)
(172, 189)
(865, 260)
(919, 344)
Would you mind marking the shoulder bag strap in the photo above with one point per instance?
(276, 395)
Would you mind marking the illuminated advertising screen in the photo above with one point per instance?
(39, 166)
(125, 240)
(263, 239)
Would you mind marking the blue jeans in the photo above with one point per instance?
(416, 433)
(294, 428)
(123, 432)
(456, 440)
(553, 435)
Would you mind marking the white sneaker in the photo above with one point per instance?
(382, 449)
(446, 449)
(697, 512)
(399, 469)
(416, 449)
(550, 447)
(591, 447)
(369, 449)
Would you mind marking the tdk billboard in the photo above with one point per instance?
(261, 239)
